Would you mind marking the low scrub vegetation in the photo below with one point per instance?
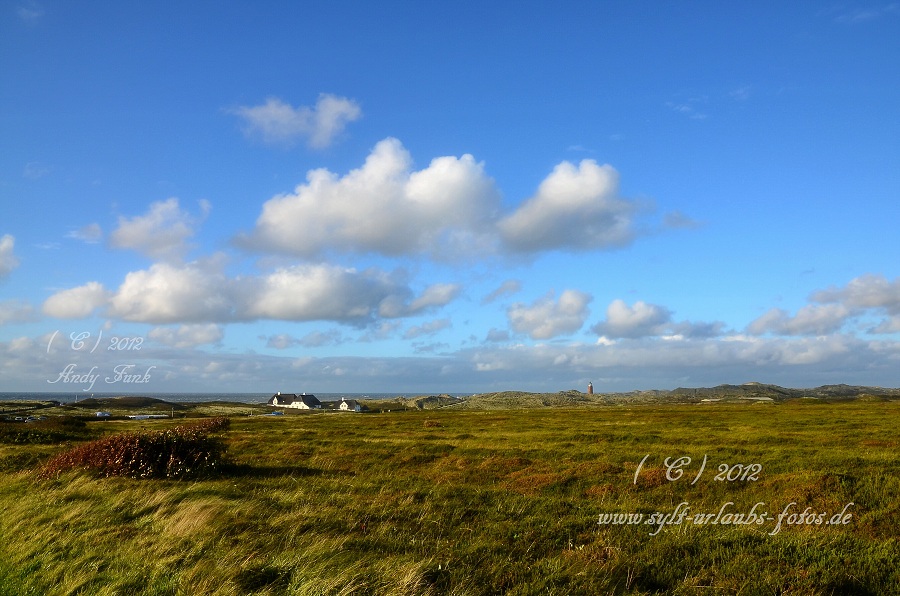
(47, 431)
(178, 452)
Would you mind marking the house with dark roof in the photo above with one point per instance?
(281, 399)
(303, 401)
(350, 405)
(345, 405)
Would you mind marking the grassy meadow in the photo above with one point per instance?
(475, 502)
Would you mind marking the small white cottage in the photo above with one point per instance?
(350, 405)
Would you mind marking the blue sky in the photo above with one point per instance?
(448, 197)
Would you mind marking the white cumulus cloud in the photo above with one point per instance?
(813, 319)
(638, 320)
(161, 233)
(866, 291)
(862, 298)
(546, 318)
(77, 303)
(575, 208)
(448, 210)
(169, 293)
(383, 207)
(277, 122)
(324, 292)
(200, 292)
(643, 319)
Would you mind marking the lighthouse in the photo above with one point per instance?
(590, 388)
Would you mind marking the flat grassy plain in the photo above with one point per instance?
(478, 502)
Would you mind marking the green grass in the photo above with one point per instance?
(472, 502)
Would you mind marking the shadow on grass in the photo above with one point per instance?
(257, 471)
(265, 577)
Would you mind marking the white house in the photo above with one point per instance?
(301, 402)
(350, 405)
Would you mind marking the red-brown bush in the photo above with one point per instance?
(178, 452)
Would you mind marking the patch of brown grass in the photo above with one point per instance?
(532, 482)
(651, 478)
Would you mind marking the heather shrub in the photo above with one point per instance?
(185, 451)
(211, 425)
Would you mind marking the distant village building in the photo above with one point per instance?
(345, 405)
(350, 405)
(306, 401)
(289, 400)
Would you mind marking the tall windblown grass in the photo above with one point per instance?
(476, 503)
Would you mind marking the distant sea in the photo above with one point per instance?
(247, 398)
